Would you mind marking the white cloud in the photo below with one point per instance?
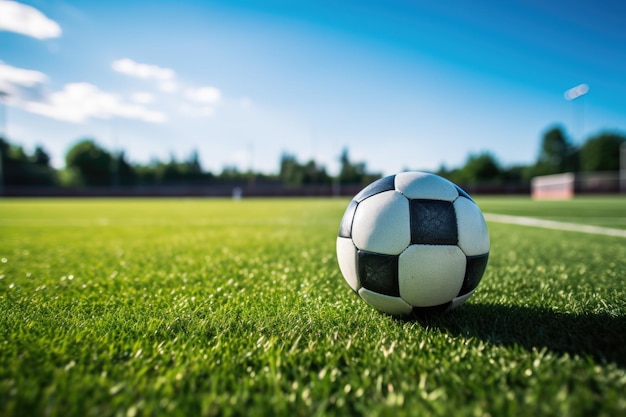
(19, 83)
(26, 20)
(245, 102)
(168, 86)
(142, 97)
(200, 101)
(78, 102)
(146, 71)
(195, 111)
(166, 77)
(20, 76)
(206, 94)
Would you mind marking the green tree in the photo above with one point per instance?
(193, 164)
(480, 168)
(354, 173)
(147, 174)
(174, 172)
(291, 172)
(557, 154)
(315, 174)
(294, 174)
(192, 168)
(170, 172)
(20, 169)
(41, 157)
(601, 153)
(122, 172)
(231, 173)
(91, 163)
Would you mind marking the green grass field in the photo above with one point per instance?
(217, 307)
(595, 211)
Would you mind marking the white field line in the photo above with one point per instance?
(551, 224)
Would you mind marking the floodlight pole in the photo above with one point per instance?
(575, 93)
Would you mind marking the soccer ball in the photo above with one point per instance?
(412, 243)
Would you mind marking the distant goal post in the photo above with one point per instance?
(557, 186)
(563, 186)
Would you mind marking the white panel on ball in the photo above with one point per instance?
(346, 256)
(385, 303)
(425, 186)
(430, 275)
(381, 224)
(472, 228)
(460, 300)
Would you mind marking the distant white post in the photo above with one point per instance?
(572, 94)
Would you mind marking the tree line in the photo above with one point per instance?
(557, 154)
(88, 164)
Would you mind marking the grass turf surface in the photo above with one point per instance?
(216, 307)
(604, 211)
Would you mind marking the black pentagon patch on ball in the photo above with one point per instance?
(379, 273)
(473, 272)
(345, 227)
(462, 193)
(432, 310)
(433, 222)
(377, 187)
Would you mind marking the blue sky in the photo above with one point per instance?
(401, 84)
